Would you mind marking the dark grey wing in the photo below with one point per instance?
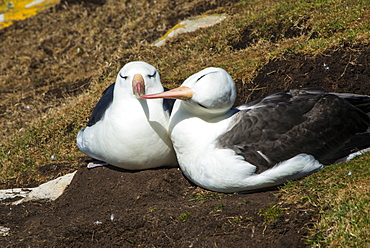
(168, 103)
(102, 105)
(360, 101)
(286, 124)
(359, 141)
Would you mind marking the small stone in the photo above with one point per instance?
(190, 25)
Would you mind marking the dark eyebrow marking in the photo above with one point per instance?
(155, 72)
(124, 77)
(200, 77)
(205, 75)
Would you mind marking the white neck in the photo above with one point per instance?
(194, 140)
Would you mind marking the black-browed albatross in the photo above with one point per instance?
(282, 137)
(125, 130)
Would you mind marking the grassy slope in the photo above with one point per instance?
(342, 194)
(255, 32)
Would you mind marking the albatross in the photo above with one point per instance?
(284, 136)
(126, 130)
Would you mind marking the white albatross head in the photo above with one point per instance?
(210, 91)
(138, 78)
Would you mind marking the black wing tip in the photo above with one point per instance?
(103, 104)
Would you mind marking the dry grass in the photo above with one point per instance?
(342, 194)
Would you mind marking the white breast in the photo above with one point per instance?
(131, 136)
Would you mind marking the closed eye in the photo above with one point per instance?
(204, 75)
(153, 75)
(124, 77)
(202, 106)
(200, 77)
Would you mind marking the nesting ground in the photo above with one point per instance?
(160, 208)
(106, 207)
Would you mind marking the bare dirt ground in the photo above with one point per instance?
(106, 207)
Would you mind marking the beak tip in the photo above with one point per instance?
(181, 93)
(152, 96)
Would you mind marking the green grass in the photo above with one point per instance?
(245, 202)
(270, 213)
(205, 195)
(184, 216)
(341, 193)
(48, 141)
(218, 208)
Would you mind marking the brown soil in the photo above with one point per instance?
(148, 207)
(107, 207)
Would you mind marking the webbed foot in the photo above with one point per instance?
(92, 165)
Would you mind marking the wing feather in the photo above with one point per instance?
(285, 124)
(102, 105)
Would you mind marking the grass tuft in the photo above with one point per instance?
(219, 207)
(184, 216)
(342, 195)
(205, 195)
(270, 213)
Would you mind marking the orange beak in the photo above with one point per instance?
(138, 85)
(181, 93)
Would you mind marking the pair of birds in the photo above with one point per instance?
(284, 136)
